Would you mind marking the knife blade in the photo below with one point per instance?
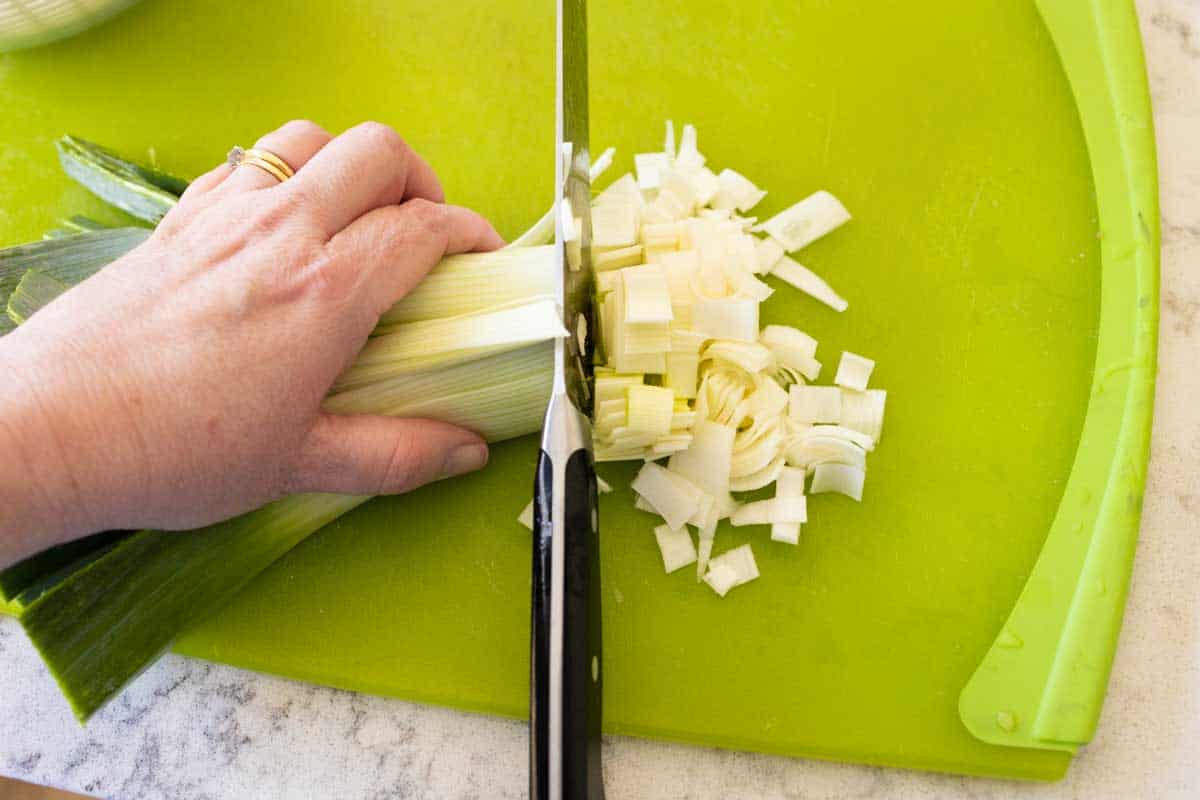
(565, 663)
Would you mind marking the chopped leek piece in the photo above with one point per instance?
(614, 226)
(674, 498)
(650, 410)
(732, 568)
(811, 449)
(786, 339)
(726, 318)
(623, 190)
(766, 255)
(707, 462)
(807, 281)
(722, 578)
(757, 480)
(749, 356)
(863, 411)
(647, 295)
(526, 515)
(838, 431)
(649, 168)
(620, 257)
(768, 512)
(688, 157)
(816, 404)
(806, 221)
(676, 547)
(841, 478)
(790, 483)
(736, 191)
(854, 371)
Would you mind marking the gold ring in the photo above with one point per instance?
(265, 160)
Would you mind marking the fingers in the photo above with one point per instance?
(392, 248)
(368, 455)
(207, 181)
(367, 167)
(296, 143)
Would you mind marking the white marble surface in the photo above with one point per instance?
(189, 730)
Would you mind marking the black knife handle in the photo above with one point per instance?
(577, 745)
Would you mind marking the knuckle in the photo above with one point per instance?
(325, 280)
(382, 136)
(427, 217)
(301, 127)
(402, 471)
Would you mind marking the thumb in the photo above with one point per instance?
(367, 455)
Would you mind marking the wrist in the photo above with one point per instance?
(39, 488)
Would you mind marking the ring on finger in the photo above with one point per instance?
(264, 159)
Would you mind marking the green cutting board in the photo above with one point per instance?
(973, 270)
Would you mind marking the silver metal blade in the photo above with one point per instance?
(573, 362)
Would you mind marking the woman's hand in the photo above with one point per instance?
(183, 383)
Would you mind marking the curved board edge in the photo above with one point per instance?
(1042, 682)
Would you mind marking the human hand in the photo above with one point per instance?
(183, 383)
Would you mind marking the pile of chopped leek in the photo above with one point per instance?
(692, 379)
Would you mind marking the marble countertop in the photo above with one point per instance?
(189, 730)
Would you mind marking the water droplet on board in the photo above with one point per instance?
(1006, 720)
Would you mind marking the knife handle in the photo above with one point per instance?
(565, 680)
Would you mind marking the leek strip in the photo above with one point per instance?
(70, 259)
(20, 576)
(429, 343)
(139, 191)
(471, 282)
(35, 290)
(74, 225)
(500, 397)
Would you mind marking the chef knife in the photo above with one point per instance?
(565, 665)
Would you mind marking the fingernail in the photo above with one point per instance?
(465, 458)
